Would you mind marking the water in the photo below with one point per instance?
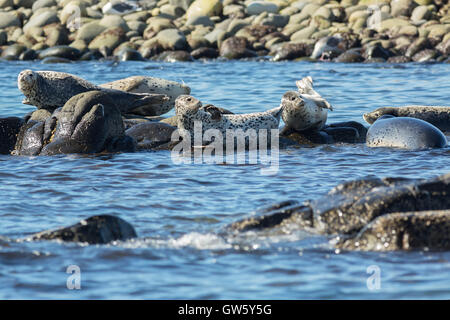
(181, 210)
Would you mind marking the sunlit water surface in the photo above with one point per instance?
(180, 211)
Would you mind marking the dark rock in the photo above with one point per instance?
(128, 54)
(343, 134)
(417, 45)
(149, 135)
(361, 131)
(9, 129)
(28, 54)
(236, 48)
(151, 50)
(91, 55)
(290, 51)
(308, 138)
(65, 52)
(350, 56)
(13, 52)
(55, 60)
(205, 53)
(376, 51)
(94, 230)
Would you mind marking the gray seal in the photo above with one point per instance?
(404, 133)
(438, 116)
(51, 90)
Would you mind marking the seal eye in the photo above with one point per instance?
(293, 98)
(189, 99)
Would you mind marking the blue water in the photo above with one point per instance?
(180, 211)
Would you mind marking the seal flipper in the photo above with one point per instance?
(216, 113)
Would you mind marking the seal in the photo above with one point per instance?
(142, 84)
(438, 116)
(51, 90)
(189, 110)
(304, 110)
(404, 133)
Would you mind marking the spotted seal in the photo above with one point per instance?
(51, 90)
(438, 116)
(142, 84)
(304, 110)
(190, 110)
(405, 133)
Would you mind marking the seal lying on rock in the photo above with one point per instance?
(189, 110)
(306, 109)
(405, 133)
(94, 230)
(438, 116)
(89, 122)
(141, 84)
(50, 90)
(351, 206)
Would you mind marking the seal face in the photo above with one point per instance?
(51, 90)
(304, 110)
(438, 116)
(404, 133)
(190, 110)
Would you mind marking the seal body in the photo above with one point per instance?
(190, 110)
(142, 84)
(405, 133)
(51, 90)
(438, 116)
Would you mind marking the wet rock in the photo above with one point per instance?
(426, 230)
(9, 128)
(351, 206)
(350, 56)
(28, 54)
(398, 59)
(307, 138)
(93, 230)
(13, 52)
(376, 51)
(150, 135)
(175, 56)
(236, 48)
(60, 52)
(290, 51)
(48, 60)
(41, 19)
(205, 53)
(127, 54)
(425, 55)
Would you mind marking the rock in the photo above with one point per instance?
(9, 128)
(109, 39)
(376, 51)
(351, 206)
(89, 122)
(6, 3)
(43, 4)
(200, 20)
(175, 56)
(3, 38)
(390, 23)
(204, 8)
(258, 7)
(398, 59)
(28, 54)
(418, 45)
(127, 54)
(290, 51)
(93, 230)
(350, 56)
(236, 48)
(23, 3)
(205, 53)
(150, 135)
(172, 39)
(425, 55)
(181, 3)
(171, 12)
(9, 19)
(60, 52)
(114, 21)
(420, 13)
(56, 35)
(275, 20)
(402, 7)
(303, 34)
(73, 10)
(444, 47)
(13, 51)
(89, 31)
(41, 19)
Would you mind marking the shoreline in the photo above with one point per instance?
(185, 30)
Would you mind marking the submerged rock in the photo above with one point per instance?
(93, 230)
(349, 209)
